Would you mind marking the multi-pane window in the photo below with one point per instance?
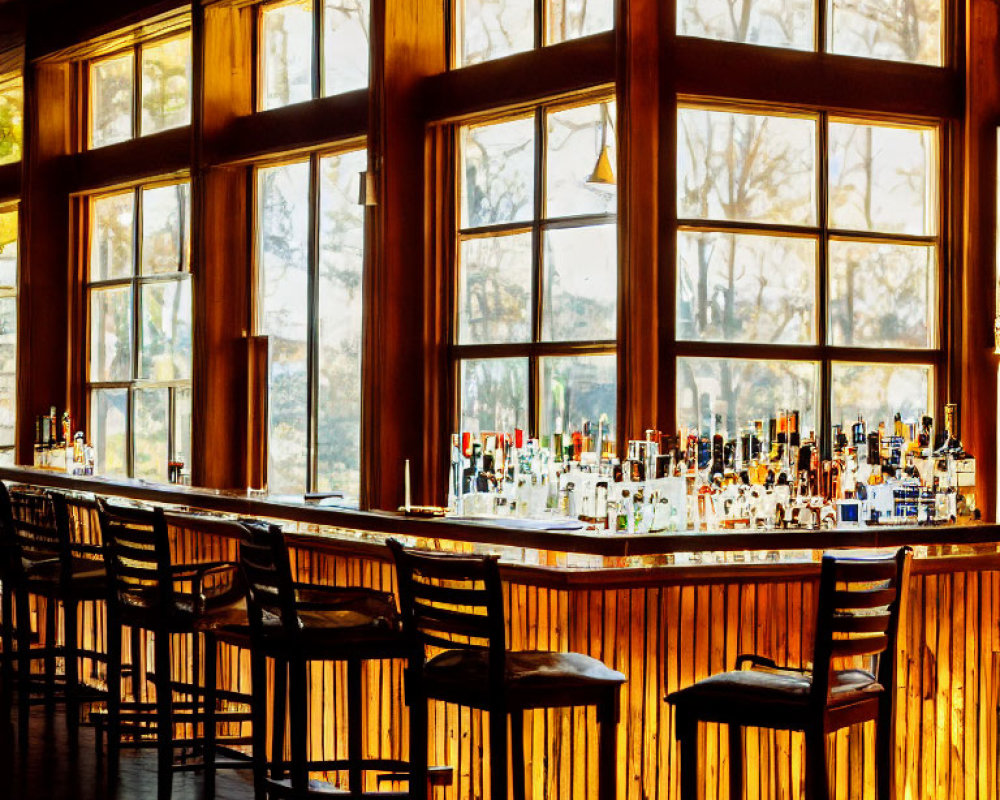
(310, 264)
(488, 29)
(909, 31)
(11, 120)
(8, 332)
(140, 327)
(815, 234)
(139, 91)
(537, 294)
(291, 69)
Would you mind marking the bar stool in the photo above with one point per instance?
(43, 561)
(857, 614)
(294, 624)
(144, 595)
(455, 602)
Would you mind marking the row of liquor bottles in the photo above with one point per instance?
(769, 475)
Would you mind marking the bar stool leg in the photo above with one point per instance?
(298, 706)
(735, 762)
(23, 666)
(417, 703)
(607, 768)
(138, 665)
(355, 731)
(8, 646)
(817, 780)
(71, 650)
(517, 772)
(211, 650)
(278, 721)
(687, 736)
(498, 752)
(50, 651)
(885, 767)
(164, 714)
(258, 711)
(114, 679)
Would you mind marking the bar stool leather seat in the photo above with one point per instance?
(468, 670)
(88, 578)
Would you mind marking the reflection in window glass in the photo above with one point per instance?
(345, 45)
(571, 19)
(578, 389)
(166, 85)
(581, 283)
(494, 394)
(495, 28)
(165, 333)
(746, 167)
(151, 416)
(111, 334)
(729, 291)
(776, 23)
(166, 229)
(878, 391)
(341, 270)
(282, 302)
(286, 43)
(498, 176)
(111, 99)
(495, 294)
(739, 390)
(8, 334)
(153, 275)
(574, 142)
(109, 430)
(890, 30)
(883, 178)
(11, 121)
(882, 294)
(112, 233)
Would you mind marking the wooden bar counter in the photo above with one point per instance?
(665, 610)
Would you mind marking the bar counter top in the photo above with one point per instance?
(583, 542)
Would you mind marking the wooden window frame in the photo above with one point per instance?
(536, 347)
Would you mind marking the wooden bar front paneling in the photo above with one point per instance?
(666, 632)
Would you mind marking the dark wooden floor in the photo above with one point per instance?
(48, 769)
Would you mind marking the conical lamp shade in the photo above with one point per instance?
(603, 171)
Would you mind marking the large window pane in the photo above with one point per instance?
(581, 283)
(746, 167)
(111, 334)
(151, 408)
(889, 29)
(728, 289)
(883, 178)
(739, 390)
(166, 84)
(182, 428)
(345, 45)
(495, 294)
(11, 121)
(576, 138)
(498, 172)
(8, 250)
(112, 236)
(165, 334)
(494, 394)
(578, 389)
(778, 23)
(109, 429)
(8, 329)
(282, 304)
(570, 19)
(166, 229)
(877, 392)
(495, 28)
(111, 99)
(286, 43)
(341, 269)
(882, 295)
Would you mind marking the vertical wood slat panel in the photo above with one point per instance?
(665, 637)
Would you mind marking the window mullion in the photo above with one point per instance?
(136, 322)
(312, 332)
(825, 410)
(317, 62)
(537, 288)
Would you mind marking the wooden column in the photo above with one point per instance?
(408, 44)
(44, 299)
(976, 308)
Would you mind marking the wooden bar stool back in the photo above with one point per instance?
(452, 605)
(43, 561)
(858, 609)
